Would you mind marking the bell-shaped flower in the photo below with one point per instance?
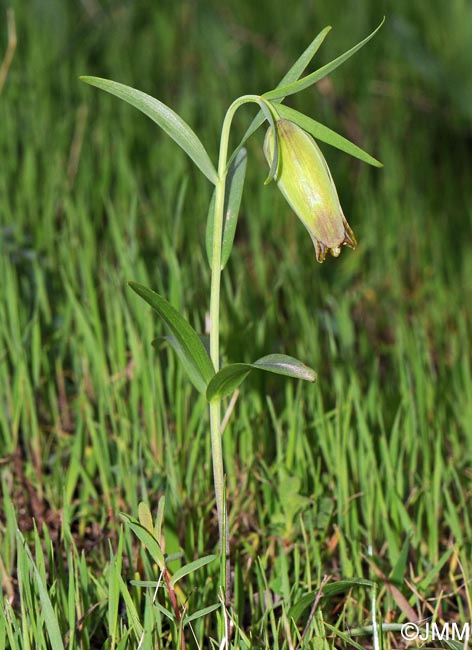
(305, 181)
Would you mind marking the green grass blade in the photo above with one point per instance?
(113, 600)
(131, 611)
(233, 195)
(345, 637)
(398, 573)
(164, 117)
(185, 340)
(332, 589)
(323, 133)
(431, 575)
(309, 80)
(230, 377)
(50, 619)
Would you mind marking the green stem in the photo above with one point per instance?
(215, 406)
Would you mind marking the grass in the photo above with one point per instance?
(364, 478)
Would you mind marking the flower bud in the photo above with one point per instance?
(305, 181)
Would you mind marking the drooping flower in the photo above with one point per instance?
(305, 181)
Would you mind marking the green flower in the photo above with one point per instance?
(304, 179)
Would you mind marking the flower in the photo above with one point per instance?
(304, 179)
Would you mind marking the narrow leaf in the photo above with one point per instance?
(332, 589)
(191, 567)
(164, 117)
(200, 613)
(292, 75)
(165, 612)
(309, 80)
(184, 340)
(428, 579)
(398, 572)
(233, 194)
(149, 541)
(303, 61)
(160, 518)
(230, 377)
(145, 517)
(113, 597)
(50, 619)
(131, 611)
(341, 586)
(323, 133)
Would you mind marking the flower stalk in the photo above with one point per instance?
(215, 292)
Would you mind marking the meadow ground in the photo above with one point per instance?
(365, 477)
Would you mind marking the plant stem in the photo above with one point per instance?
(215, 405)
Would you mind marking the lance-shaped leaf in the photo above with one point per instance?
(47, 609)
(191, 567)
(309, 80)
(164, 117)
(230, 377)
(289, 77)
(147, 538)
(233, 194)
(328, 591)
(200, 613)
(184, 339)
(321, 132)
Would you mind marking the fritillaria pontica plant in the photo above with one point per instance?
(301, 173)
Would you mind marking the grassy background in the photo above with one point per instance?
(365, 475)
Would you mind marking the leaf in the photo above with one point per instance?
(230, 377)
(160, 518)
(131, 611)
(145, 517)
(165, 612)
(50, 619)
(184, 340)
(233, 194)
(113, 595)
(191, 567)
(332, 589)
(431, 575)
(341, 586)
(323, 133)
(282, 364)
(292, 75)
(149, 541)
(309, 80)
(164, 117)
(227, 380)
(292, 501)
(398, 572)
(200, 613)
(348, 640)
